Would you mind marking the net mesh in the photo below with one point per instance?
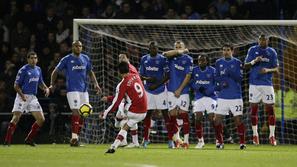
(103, 43)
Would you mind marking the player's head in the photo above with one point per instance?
(32, 58)
(263, 41)
(153, 47)
(179, 45)
(76, 47)
(123, 58)
(203, 60)
(227, 50)
(123, 67)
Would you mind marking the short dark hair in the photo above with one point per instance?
(204, 55)
(263, 36)
(153, 43)
(228, 45)
(123, 67)
(31, 53)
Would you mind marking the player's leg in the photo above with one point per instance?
(198, 109)
(183, 114)
(39, 117)
(74, 103)
(237, 110)
(269, 100)
(133, 119)
(134, 135)
(147, 126)
(173, 112)
(222, 110)
(12, 126)
(254, 98)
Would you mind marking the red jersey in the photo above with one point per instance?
(132, 69)
(132, 89)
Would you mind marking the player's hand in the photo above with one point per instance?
(263, 71)
(46, 92)
(177, 93)
(51, 88)
(153, 87)
(98, 89)
(258, 59)
(101, 116)
(104, 99)
(23, 97)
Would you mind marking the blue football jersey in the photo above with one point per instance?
(155, 67)
(28, 78)
(76, 70)
(179, 67)
(205, 81)
(269, 61)
(229, 78)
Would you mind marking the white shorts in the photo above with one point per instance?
(226, 105)
(158, 101)
(182, 102)
(122, 112)
(76, 99)
(134, 118)
(30, 105)
(264, 93)
(205, 104)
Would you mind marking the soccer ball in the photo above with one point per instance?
(85, 110)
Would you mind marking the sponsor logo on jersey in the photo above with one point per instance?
(149, 68)
(78, 67)
(202, 82)
(179, 67)
(265, 59)
(34, 79)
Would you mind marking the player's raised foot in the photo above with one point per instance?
(185, 145)
(178, 143)
(220, 146)
(242, 146)
(200, 145)
(30, 143)
(171, 144)
(132, 145)
(272, 141)
(75, 143)
(110, 151)
(256, 140)
(145, 143)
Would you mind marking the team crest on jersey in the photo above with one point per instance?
(256, 53)
(145, 61)
(197, 75)
(221, 65)
(29, 73)
(72, 61)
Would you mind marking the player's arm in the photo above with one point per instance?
(19, 91)
(54, 75)
(250, 61)
(183, 85)
(158, 84)
(45, 89)
(174, 53)
(94, 80)
(120, 93)
(269, 70)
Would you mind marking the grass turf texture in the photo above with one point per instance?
(157, 155)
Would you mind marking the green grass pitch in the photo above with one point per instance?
(157, 155)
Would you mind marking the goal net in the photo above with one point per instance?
(104, 40)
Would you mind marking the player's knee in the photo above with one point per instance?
(15, 119)
(269, 109)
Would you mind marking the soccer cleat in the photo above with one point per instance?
(110, 151)
(145, 143)
(185, 145)
(132, 145)
(178, 143)
(220, 146)
(171, 144)
(6, 144)
(30, 143)
(256, 140)
(272, 141)
(200, 145)
(242, 146)
(75, 143)
(230, 140)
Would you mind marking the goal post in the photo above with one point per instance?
(104, 39)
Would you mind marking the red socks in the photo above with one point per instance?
(75, 127)
(271, 116)
(10, 130)
(34, 129)
(147, 126)
(241, 133)
(254, 115)
(199, 130)
(186, 122)
(219, 133)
